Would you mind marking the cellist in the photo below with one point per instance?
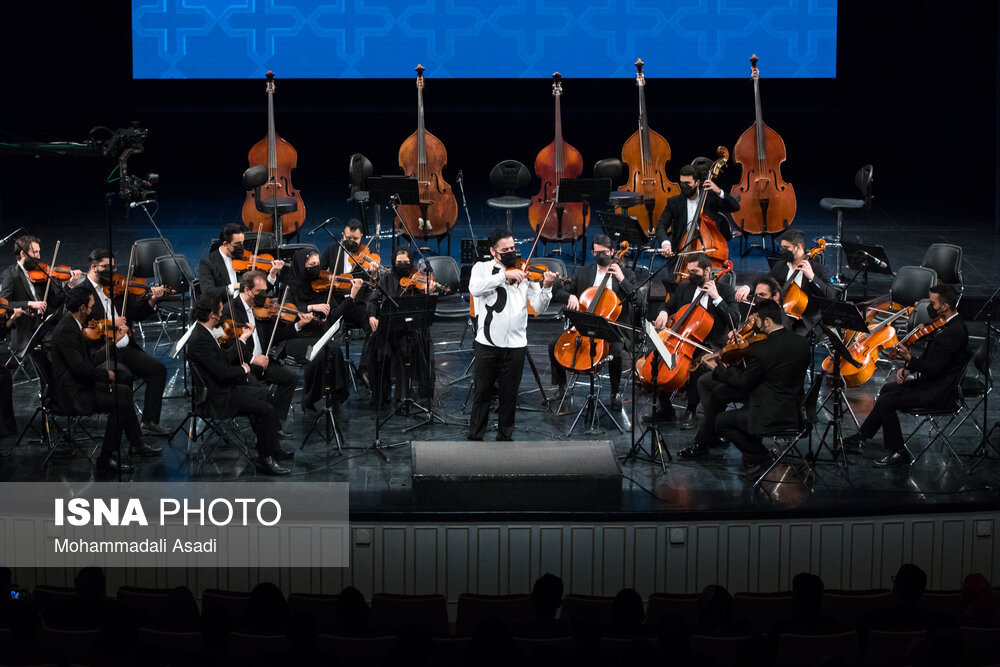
(620, 282)
(681, 209)
(719, 300)
(808, 274)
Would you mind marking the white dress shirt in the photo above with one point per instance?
(507, 327)
(31, 285)
(110, 312)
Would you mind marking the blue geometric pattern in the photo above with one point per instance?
(224, 39)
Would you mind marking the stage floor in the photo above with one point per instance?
(678, 490)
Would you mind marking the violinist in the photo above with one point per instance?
(132, 359)
(338, 261)
(620, 282)
(772, 381)
(232, 389)
(502, 293)
(406, 345)
(253, 294)
(81, 386)
(938, 367)
(681, 209)
(811, 277)
(719, 300)
(216, 272)
(8, 425)
(22, 292)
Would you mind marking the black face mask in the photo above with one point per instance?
(260, 299)
(508, 259)
(312, 272)
(696, 280)
(788, 256)
(687, 189)
(932, 311)
(351, 246)
(604, 259)
(237, 251)
(403, 269)
(30, 263)
(104, 275)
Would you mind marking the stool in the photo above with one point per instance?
(508, 177)
(863, 179)
(253, 179)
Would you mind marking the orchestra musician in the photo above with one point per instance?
(681, 209)
(132, 359)
(216, 273)
(772, 380)
(304, 270)
(22, 292)
(938, 367)
(81, 386)
(407, 346)
(253, 294)
(812, 279)
(8, 424)
(232, 388)
(501, 292)
(719, 299)
(338, 262)
(591, 275)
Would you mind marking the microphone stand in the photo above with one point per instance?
(465, 205)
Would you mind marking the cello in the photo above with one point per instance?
(579, 353)
(767, 203)
(794, 300)
(556, 161)
(423, 156)
(686, 333)
(701, 233)
(647, 153)
(280, 158)
(864, 349)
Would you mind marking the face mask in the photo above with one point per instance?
(932, 311)
(687, 189)
(104, 275)
(696, 280)
(260, 299)
(403, 269)
(604, 259)
(237, 251)
(30, 263)
(352, 246)
(508, 259)
(788, 255)
(312, 272)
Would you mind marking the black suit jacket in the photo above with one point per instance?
(218, 368)
(76, 379)
(138, 310)
(775, 371)
(943, 359)
(820, 285)
(673, 221)
(725, 315)
(264, 327)
(17, 291)
(212, 275)
(584, 279)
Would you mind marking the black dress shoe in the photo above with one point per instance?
(285, 435)
(142, 449)
(854, 443)
(894, 459)
(616, 401)
(149, 428)
(282, 455)
(754, 469)
(689, 422)
(267, 465)
(661, 416)
(112, 464)
(695, 451)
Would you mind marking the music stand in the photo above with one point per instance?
(658, 444)
(624, 228)
(865, 257)
(594, 327)
(591, 192)
(837, 314)
(383, 189)
(331, 429)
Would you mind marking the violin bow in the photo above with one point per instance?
(48, 276)
(277, 321)
(232, 312)
(256, 246)
(128, 280)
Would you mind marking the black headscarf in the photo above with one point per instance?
(302, 292)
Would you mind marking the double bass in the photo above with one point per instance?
(767, 203)
(556, 161)
(423, 156)
(647, 153)
(281, 158)
(701, 233)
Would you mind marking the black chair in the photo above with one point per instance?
(911, 284)
(946, 260)
(508, 177)
(446, 272)
(144, 254)
(615, 169)
(268, 244)
(222, 426)
(557, 265)
(287, 251)
(173, 271)
(977, 387)
(50, 410)
(930, 415)
(863, 180)
(787, 441)
(277, 207)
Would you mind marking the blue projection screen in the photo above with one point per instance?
(216, 39)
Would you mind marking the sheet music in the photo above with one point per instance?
(318, 346)
(179, 345)
(658, 345)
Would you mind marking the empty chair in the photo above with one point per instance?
(587, 609)
(508, 177)
(145, 252)
(395, 612)
(863, 179)
(446, 272)
(885, 648)
(474, 609)
(808, 650)
(233, 602)
(614, 169)
(682, 605)
(911, 284)
(946, 260)
(321, 607)
(848, 608)
(761, 610)
(357, 651)
(268, 244)
(723, 649)
(287, 251)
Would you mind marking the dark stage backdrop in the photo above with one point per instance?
(916, 95)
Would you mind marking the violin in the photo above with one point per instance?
(421, 282)
(289, 313)
(556, 161)
(98, 329)
(647, 153)
(915, 335)
(251, 261)
(42, 271)
(767, 203)
(280, 158)
(136, 286)
(864, 349)
(685, 333)
(5, 309)
(794, 300)
(367, 260)
(231, 330)
(341, 282)
(536, 272)
(735, 352)
(580, 353)
(423, 156)
(702, 234)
